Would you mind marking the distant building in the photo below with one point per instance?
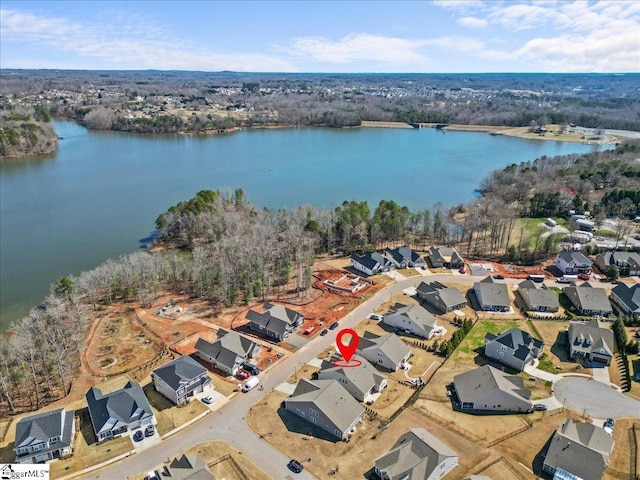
(181, 379)
(487, 388)
(492, 296)
(371, 263)
(416, 455)
(387, 351)
(412, 319)
(327, 405)
(44, 436)
(186, 467)
(628, 263)
(514, 348)
(445, 299)
(404, 257)
(275, 321)
(591, 341)
(445, 257)
(578, 450)
(573, 263)
(117, 412)
(228, 352)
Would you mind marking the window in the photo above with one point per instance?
(38, 447)
(338, 433)
(313, 419)
(53, 440)
(313, 412)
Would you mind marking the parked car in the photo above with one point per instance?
(251, 368)
(461, 270)
(584, 276)
(334, 325)
(149, 431)
(499, 277)
(324, 332)
(295, 466)
(242, 374)
(375, 316)
(138, 436)
(208, 399)
(609, 422)
(540, 407)
(310, 330)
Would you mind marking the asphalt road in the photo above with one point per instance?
(595, 399)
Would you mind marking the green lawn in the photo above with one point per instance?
(475, 338)
(533, 227)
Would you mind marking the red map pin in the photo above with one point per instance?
(347, 350)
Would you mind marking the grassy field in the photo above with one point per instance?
(168, 415)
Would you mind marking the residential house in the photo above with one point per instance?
(572, 262)
(416, 455)
(591, 341)
(589, 300)
(387, 351)
(228, 352)
(445, 299)
(276, 321)
(371, 263)
(514, 348)
(492, 296)
(117, 412)
(445, 257)
(537, 297)
(628, 263)
(627, 298)
(44, 436)
(362, 381)
(186, 467)
(578, 450)
(412, 319)
(327, 405)
(487, 388)
(404, 257)
(181, 379)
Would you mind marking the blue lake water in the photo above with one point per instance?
(100, 193)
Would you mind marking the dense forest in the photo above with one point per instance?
(25, 130)
(154, 101)
(219, 247)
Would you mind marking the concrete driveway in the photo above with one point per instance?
(595, 399)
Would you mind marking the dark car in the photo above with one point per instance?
(149, 431)
(324, 332)
(295, 466)
(138, 436)
(539, 407)
(251, 368)
(499, 277)
(609, 422)
(334, 325)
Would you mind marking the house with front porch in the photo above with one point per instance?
(514, 348)
(386, 351)
(571, 262)
(537, 297)
(627, 298)
(44, 436)
(228, 352)
(371, 263)
(413, 319)
(118, 412)
(493, 296)
(444, 299)
(445, 257)
(275, 321)
(628, 263)
(404, 257)
(589, 300)
(362, 381)
(591, 341)
(181, 379)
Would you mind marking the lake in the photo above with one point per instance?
(98, 196)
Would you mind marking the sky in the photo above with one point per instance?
(415, 36)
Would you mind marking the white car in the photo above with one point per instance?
(375, 316)
(208, 399)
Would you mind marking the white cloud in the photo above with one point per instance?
(473, 22)
(360, 48)
(131, 44)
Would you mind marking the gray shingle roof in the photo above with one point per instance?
(629, 295)
(594, 332)
(227, 348)
(416, 453)
(449, 296)
(574, 257)
(117, 408)
(404, 254)
(43, 426)
(485, 379)
(587, 297)
(330, 398)
(515, 337)
(538, 295)
(445, 254)
(390, 344)
(492, 292)
(580, 448)
(414, 313)
(276, 318)
(362, 378)
(179, 371)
